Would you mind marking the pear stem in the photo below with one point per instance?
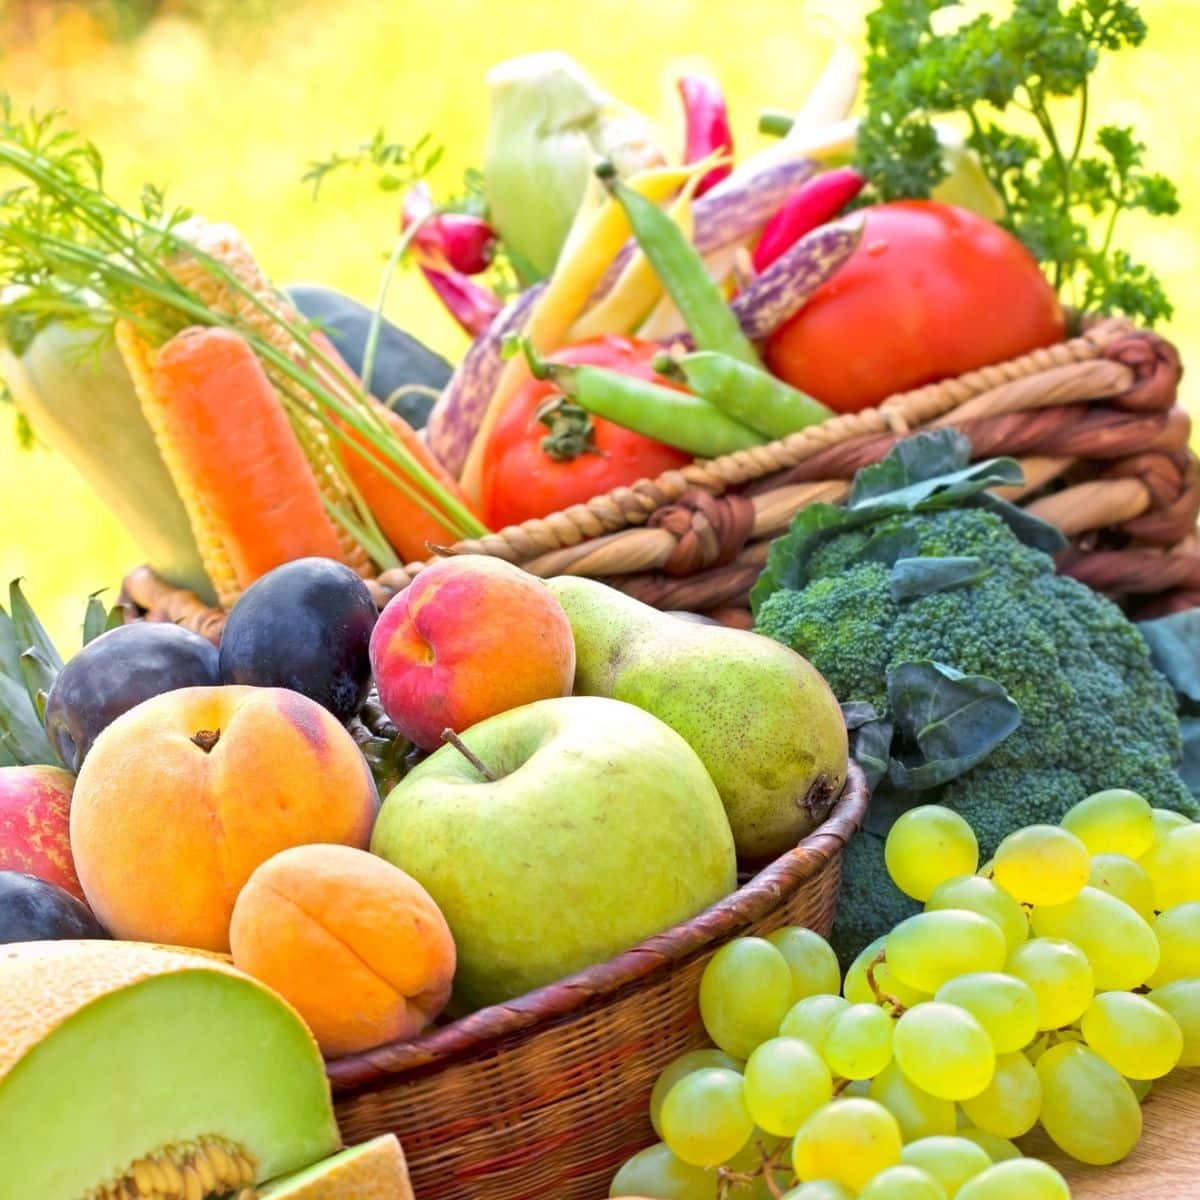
(452, 738)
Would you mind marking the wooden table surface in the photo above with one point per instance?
(1166, 1163)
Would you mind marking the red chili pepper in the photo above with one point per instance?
(472, 306)
(811, 205)
(707, 125)
(455, 240)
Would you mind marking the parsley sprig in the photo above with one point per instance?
(1061, 195)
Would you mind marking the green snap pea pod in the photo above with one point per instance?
(682, 272)
(677, 418)
(747, 394)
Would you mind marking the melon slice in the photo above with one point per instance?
(134, 1070)
(376, 1170)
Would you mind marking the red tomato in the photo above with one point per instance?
(932, 291)
(521, 480)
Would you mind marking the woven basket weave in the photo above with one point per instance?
(1093, 420)
(547, 1095)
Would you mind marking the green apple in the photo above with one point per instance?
(599, 828)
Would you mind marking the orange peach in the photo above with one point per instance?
(357, 947)
(183, 796)
(35, 805)
(470, 637)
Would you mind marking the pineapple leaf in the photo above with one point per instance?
(21, 733)
(37, 675)
(10, 654)
(95, 619)
(30, 633)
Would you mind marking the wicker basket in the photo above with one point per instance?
(547, 1095)
(1094, 422)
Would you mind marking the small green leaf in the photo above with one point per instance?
(915, 577)
(30, 633)
(952, 721)
(925, 456)
(96, 618)
(870, 739)
(1174, 643)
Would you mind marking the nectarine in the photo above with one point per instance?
(183, 796)
(358, 947)
(35, 805)
(470, 637)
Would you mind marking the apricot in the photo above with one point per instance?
(357, 946)
(470, 637)
(35, 806)
(183, 796)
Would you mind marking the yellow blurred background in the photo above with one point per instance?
(226, 101)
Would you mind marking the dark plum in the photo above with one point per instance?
(305, 626)
(116, 672)
(32, 910)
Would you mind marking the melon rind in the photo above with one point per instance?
(376, 1170)
(111, 1051)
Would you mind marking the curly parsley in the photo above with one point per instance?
(1055, 189)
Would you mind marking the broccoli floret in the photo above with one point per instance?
(1094, 712)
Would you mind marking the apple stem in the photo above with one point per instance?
(452, 738)
(206, 739)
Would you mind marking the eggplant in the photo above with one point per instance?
(400, 359)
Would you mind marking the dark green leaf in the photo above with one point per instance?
(30, 633)
(913, 577)
(1189, 768)
(97, 619)
(924, 456)
(1031, 530)
(870, 739)
(952, 721)
(10, 653)
(787, 559)
(1174, 643)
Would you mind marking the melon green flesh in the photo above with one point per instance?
(294, 1187)
(169, 1059)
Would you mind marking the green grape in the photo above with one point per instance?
(657, 1172)
(1164, 820)
(1133, 1035)
(928, 845)
(1026, 1178)
(810, 1019)
(1120, 946)
(926, 950)
(819, 1189)
(857, 987)
(1178, 933)
(1042, 864)
(848, 1142)
(944, 1050)
(950, 1160)
(1010, 1104)
(1088, 1109)
(1141, 1088)
(988, 899)
(1182, 1000)
(1003, 1004)
(1060, 977)
(1173, 865)
(810, 958)
(1126, 880)
(998, 1149)
(858, 1042)
(1113, 822)
(903, 1182)
(917, 1112)
(744, 992)
(786, 1081)
(674, 1071)
(704, 1117)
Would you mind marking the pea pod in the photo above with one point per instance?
(677, 418)
(748, 394)
(682, 271)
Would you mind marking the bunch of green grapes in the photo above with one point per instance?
(1050, 987)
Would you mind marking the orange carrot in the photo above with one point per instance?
(405, 524)
(236, 448)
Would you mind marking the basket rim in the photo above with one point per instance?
(564, 997)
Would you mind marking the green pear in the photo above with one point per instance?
(570, 830)
(762, 719)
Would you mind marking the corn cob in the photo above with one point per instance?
(138, 356)
(223, 243)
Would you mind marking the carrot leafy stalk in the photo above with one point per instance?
(1061, 196)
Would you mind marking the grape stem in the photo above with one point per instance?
(727, 1180)
(898, 1009)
